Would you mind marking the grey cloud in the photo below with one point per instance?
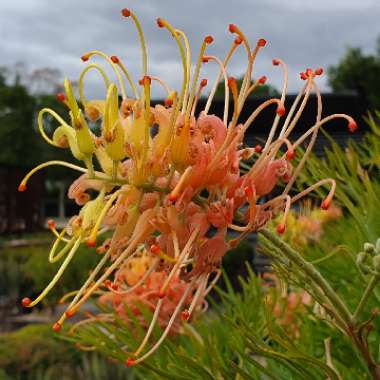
(303, 33)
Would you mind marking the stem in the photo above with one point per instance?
(352, 328)
(310, 270)
(370, 287)
(115, 166)
(90, 166)
(362, 347)
(317, 293)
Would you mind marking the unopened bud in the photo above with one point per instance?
(377, 246)
(360, 258)
(376, 263)
(360, 262)
(369, 248)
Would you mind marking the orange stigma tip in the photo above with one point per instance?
(172, 197)
(57, 327)
(51, 223)
(281, 228)
(303, 76)
(261, 42)
(275, 62)
(238, 40)
(160, 22)
(26, 302)
(232, 28)
(168, 102)
(85, 58)
(258, 148)
(146, 80)
(115, 286)
(69, 313)
(248, 192)
(263, 79)
(21, 188)
(91, 243)
(290, 154)
(130, 362)
(209, 39)
(61, 96)
(154, 248)
(352, 126)
(161, 294)
(107, 283)
(280, 111)
(231, 82)
(325, 205)
(319, 71)
(185, 315)
(309, 72)
(203, 82)
(205, 60)
(114, 59)
(126, 12)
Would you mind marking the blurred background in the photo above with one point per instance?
(41, 44)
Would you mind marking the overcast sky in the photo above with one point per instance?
(48, 33)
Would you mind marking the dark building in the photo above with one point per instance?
(20, 211)
(331, 104)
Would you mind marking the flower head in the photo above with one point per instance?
(171, 183)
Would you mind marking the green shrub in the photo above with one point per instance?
(35, 352)
(26, 271)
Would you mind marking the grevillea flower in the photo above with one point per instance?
(168, 182)
(287, 306)
(306, 226)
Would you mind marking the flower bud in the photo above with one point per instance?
(360, 262)
(360, 258)
(83, 135)
(94, 109)
(369, 248)
(71, 101)
(377, 246)
(65, 135)
(113, 132)
(376, 263)
(91, 211)
(115, 148)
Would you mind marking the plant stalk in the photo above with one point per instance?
(352, 328)
(369, 289)
(310, 270)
